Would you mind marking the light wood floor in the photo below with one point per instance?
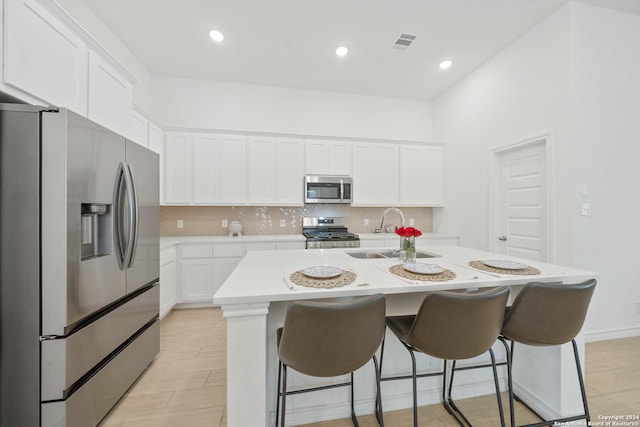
(186, 385)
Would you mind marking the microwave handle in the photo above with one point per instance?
(341, 190)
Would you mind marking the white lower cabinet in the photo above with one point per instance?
(196, 273)
(222, 268)
(168, 280)
(202, 268)
(196, 280)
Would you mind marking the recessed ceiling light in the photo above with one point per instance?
(216, 36)
(342, 51)
(446, 64)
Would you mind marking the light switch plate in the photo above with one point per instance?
(283, 223)
(586, 209)
(180, 224)
(225, 223)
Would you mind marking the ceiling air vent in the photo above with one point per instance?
(403, 42)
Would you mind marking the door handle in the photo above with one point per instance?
(502, 238)
(132, 199)
(120, 239)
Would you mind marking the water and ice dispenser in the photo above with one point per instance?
(96, 233)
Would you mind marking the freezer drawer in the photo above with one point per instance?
(64, 361)
(89, 404)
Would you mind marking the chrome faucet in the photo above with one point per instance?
(379, 230)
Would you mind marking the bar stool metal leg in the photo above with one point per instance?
(278, 394)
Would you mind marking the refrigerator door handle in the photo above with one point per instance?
(119, 238)
(134, 215)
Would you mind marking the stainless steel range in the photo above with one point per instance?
(326, 232)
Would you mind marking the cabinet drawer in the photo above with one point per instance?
(197, 251)
(228, 250)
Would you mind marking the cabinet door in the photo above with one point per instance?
(421, 175)
(262, 166)
(204, 170)
(178, 168)
(231, 169)
(328, 158)
(168, 280)
(196, 280)
(167, 287)
(219, 169)
(316, 157)
(138, 129)
(222, 269)
(44, 58)
(375, 174)
(340, 158)
(155, 137)
(110, 96)
(290, 172)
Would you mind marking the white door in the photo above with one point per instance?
(522, 202)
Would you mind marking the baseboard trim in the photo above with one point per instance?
(199, 304)
(612, 334)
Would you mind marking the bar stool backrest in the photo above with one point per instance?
(326, 339)
(456, 325)
(548, 313)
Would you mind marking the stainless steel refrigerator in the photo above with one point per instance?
(79, 269)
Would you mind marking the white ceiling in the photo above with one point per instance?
(292, 42)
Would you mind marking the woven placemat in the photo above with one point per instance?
(347, 277)
(522, 272)
(398, 270)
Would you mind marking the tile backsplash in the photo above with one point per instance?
(265, 220)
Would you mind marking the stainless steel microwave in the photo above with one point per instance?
(327, 189)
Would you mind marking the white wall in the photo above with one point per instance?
(521, 92)
(575, 76)
(201, 104)
(605, 81)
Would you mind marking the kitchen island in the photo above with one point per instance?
(254, 300)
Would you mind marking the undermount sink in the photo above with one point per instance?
(389, 253)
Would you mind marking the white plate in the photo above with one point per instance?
(504, 264)
(420, 268)
(322, 272)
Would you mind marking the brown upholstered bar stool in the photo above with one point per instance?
(546, 314)
(451, 326)
(329, 339)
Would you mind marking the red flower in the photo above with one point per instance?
(408, 232)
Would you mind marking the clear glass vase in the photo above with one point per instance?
(407, 249)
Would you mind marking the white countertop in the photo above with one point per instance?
(384, 236)
(260, 276)
(170, 241)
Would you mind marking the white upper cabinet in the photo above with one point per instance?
(421, 175)
(219, 167)
(275, 171)
(110, 96)
(375, 174)
(43, 58)
(262, 169)
(178, 169)
(328, 158)
(155, 137)
(138, 129)
(290, 172)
